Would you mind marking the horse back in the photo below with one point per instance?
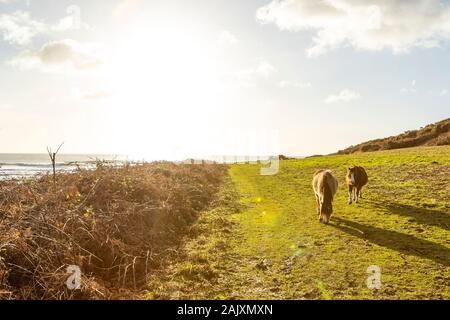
(361, 177)
(324, 179)
(332, 182)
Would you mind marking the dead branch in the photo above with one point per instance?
(52, 156)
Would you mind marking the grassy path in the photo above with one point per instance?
(272, 247)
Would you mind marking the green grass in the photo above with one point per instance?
(271, 245)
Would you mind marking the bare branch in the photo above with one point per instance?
(57, 151)
(52, 156)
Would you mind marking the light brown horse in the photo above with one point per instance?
(325, 185)
(356, 179)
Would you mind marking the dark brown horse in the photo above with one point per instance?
(356, 179)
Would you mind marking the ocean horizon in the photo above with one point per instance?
(27, 165)
(18, 166)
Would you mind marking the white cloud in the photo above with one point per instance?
(250, 77)
(397, 25)
(294, 84)
(265, 69)
(66, 23)
(444, 92)
(19, 28)
(57, 56)
(345, 95)
(411, 89)
(91, 95)
(227, 39)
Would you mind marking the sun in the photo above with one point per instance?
(163, 79)
(162, 59)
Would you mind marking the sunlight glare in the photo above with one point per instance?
(159, 73)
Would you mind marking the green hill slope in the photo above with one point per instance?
(263, 241)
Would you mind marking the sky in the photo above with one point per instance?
(173, 79)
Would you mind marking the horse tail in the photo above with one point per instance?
(327, 195)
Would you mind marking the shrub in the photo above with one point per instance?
(114, 223)
(431, 135)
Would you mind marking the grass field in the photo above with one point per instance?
(262, 240)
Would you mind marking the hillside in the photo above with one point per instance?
(263, 241)
(437, 134)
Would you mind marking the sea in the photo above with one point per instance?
(20, 166)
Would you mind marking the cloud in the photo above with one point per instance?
(444, 92)
(227, 39)
(265, 69)
(397, 25)
(411, 89)
(58, 56)
(66, 23)
(91, 95)
(250, 77)
(294, 84)
(344, 96)
(70, 22)
(19, 28)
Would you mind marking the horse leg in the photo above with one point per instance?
(357, 192)
(360, 194)
(319, 208)
(318, 205)
(350, 194)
